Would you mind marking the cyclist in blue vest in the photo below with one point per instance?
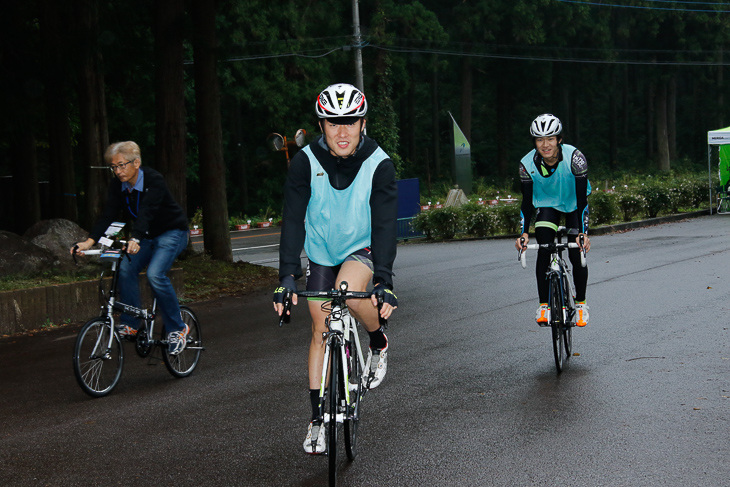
(341, 207)
(554, 181)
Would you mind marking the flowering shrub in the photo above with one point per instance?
(648, 196)
(438, 222)
(603, 207)
(630, 203)
(656, 196)
(479, 220)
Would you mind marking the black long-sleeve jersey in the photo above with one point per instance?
(341, 173)
(579, 168)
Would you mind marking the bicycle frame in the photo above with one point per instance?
(112, 305)
(99, 354)
(342, 328)
(341, 340)
(562, 305)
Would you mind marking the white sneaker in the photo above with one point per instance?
(314, 443)
(177, 340)
(376, 367)
(543, 315)
(581, 314)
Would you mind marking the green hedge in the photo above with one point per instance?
(651, 197)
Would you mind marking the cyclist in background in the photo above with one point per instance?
(159, 234)
(341, 206)
(554, 181)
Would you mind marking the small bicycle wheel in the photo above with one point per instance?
(556, 322)
(352, 418)
(97, 364)
(183, 364)
(333, 392)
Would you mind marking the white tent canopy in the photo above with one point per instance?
(715, 138)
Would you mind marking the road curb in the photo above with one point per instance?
(600, 230)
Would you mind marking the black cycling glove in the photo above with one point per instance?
(388, 295)
(286, 283)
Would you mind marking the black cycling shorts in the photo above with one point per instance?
(550, 218)
(323, 278)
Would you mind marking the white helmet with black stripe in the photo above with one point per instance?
(341, 100)
(546, 125)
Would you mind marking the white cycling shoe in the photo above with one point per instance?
(314, 443)
(376, 367)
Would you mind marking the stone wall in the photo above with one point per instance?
(31, 309)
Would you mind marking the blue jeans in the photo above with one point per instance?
(157, 254)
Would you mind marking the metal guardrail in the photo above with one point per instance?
(406, 230)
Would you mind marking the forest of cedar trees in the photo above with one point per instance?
(200, 84)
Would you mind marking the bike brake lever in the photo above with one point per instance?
(286, 314)
(382, 321)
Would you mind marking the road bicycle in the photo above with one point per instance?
(98, 356)
(562, 294)
(344, 364)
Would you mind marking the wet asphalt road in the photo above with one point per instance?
(471, 396)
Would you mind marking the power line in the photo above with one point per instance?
(519, 57)
(580, 2)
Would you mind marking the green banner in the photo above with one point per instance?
(462, 159)
(724, 165)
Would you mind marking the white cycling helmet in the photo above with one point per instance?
(341, 100)
(546, 125)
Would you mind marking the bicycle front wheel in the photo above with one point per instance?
(352, 418)
(97, 365)
(183, 364)
(556, 321)
(569, 324)
(333, 392)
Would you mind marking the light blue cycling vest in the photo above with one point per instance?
(338, 221)
(558, 190)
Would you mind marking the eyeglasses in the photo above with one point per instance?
(114, 168)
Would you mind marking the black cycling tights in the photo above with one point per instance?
(580, 274)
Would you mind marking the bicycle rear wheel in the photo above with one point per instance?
(352, 418)
(556, 321)
(334, 389)
(97, 366)
(183, 364)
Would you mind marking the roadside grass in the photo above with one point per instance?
(204, 278)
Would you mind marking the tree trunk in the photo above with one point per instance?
(92, 111)
(436, 137)
(62, 172)
(210, 140)
(649, 121)
(661, 127)
(613, 128)
(411, 114)
(25, 179)
(170, 129)
(504, 121)
(720, 97)
(672, 118)
(625, 104)
(238, 171)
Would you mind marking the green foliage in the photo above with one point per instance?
(637, 198)
(655, 195)
(630, 203)
(440, 223)
(479, 220)
(603, 207)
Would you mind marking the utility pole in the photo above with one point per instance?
(357, 41)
